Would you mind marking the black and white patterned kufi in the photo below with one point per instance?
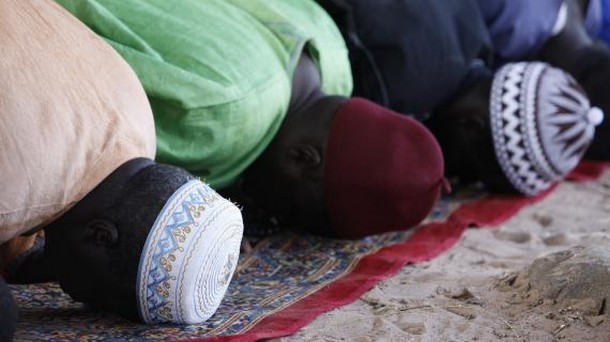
(541, 122)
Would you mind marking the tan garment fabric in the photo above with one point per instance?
(71, 112)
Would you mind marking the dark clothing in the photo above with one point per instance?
(411, 55)
(8, 313)
(415, 55)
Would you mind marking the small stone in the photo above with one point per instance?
(595, 320)
(556, 240)
(544, 220)
(416, 328)
(516, 237)
(461, 295)
(464, 311)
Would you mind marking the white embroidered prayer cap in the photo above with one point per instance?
(541, 122)
(189, 256)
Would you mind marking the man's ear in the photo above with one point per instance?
(305, 157)
(102, 233)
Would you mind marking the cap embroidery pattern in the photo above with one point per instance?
(189, 256)
(541, 122)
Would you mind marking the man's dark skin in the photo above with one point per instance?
(463, 130)
(80, 244)
(286, 181)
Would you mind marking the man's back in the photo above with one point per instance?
(423, 49)
(65, 127)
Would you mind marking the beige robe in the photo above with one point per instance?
(71, 112)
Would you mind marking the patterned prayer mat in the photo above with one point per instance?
(285, 282)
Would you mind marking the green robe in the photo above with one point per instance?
(218, 73)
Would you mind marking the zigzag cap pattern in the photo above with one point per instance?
(542, 123)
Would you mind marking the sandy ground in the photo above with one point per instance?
(544, 275)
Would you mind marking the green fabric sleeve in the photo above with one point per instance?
(218, 73)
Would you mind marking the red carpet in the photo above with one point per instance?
(429, 241)
(287, 281)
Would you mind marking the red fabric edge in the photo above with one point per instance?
(429, 241)
(588, 170)
(493, 210)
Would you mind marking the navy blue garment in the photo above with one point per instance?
(604, 30)
(520, 28)
(411, 55)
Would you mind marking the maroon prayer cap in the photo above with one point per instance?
(383, 172)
